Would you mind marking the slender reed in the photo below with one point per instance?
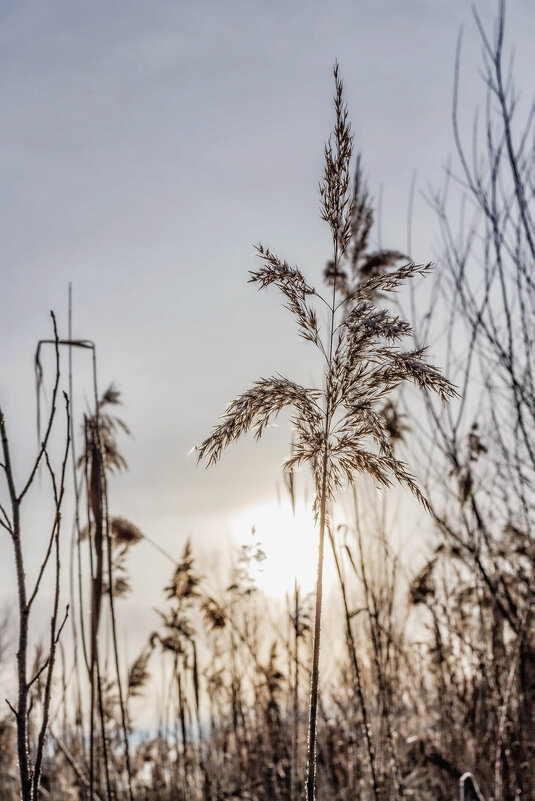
(338, 430)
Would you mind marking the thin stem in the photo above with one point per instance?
(310, 785)
(356, 669)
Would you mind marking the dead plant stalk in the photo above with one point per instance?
(30, 755)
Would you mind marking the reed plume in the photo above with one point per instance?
(338, 429)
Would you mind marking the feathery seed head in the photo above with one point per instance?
(340, 428)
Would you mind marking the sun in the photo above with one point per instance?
(290, 542)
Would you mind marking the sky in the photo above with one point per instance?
(145, 148)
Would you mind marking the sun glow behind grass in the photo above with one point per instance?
(290, 543)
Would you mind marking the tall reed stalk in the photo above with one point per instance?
(339, 431)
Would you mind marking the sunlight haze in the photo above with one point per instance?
(147, 147)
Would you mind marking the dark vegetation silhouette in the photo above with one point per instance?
(431, 692)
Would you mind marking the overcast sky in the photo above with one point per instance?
(145, 147)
